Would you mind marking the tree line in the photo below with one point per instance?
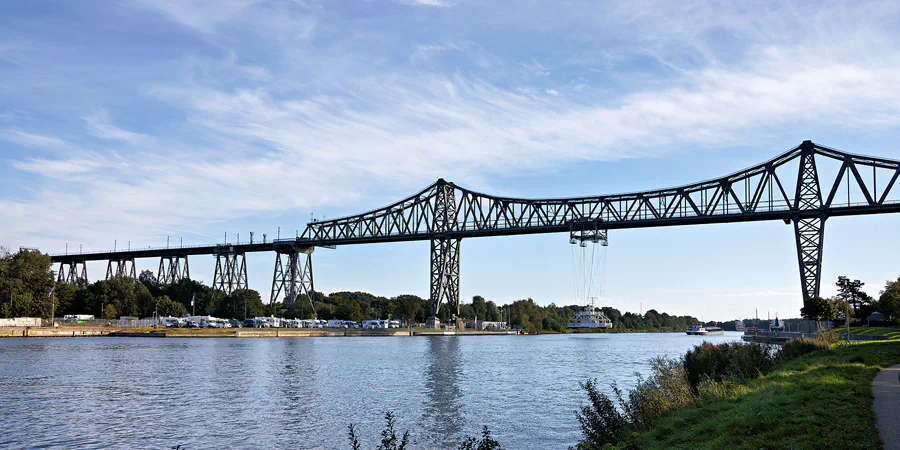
(26, 277)
(852, 299)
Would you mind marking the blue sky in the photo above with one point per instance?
(137, 120)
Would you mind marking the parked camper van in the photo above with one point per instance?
(270, 322)
(171, 322)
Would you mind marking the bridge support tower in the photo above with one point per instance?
(123, 267)
(73, 272)
(444, 254)
(293, 275)
(172, 270)
(444, 277)
(231, 270)
(809, 229)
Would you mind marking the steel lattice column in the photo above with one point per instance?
(171, 271)
(444, 275)
(444, 253)
(810, 231)
(293, 277)
(76, 273)
(810, 237)
(121, 268)
(231, 272)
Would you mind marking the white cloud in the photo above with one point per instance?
(34, 140)
(99, 125)
(202, 15)
(438, 3)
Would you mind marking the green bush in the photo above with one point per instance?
(802, 346)
(390, 440)
(667, 388)
(601, 423)
(728, 361)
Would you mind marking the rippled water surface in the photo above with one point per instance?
(302, 392)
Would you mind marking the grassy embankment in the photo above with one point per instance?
(821, 400)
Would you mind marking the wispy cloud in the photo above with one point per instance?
(202, 15)
(34, 140)
(99, 125)
(438, 3)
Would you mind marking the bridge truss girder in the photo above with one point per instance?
(123, 267)
(73, 272)
(231, 271)
(767, 191)
(172, 270)
(293, 276)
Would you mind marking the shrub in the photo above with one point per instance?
(666, 388)
(728, 361)
(485, 443)
(601, 423)
(748, 361)
(390, 441)
(799, 347)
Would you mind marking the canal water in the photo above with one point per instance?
(303, 392)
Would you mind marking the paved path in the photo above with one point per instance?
(886, 390)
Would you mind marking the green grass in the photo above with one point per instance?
(821, 400)
(893, 333)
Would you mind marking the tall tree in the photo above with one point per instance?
(889, 301)
(819, 309)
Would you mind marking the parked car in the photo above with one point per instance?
(235, 323)
(191, 324)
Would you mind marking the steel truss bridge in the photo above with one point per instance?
(793, 187)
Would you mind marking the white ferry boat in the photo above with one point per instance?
(700, 330)
(588, 318)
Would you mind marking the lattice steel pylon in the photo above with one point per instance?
(121, 268)
(294, 276)
(231, 271)
(809, 231)
(171, 270)
(72, 272)
(444, 254)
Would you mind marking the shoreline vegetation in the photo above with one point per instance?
(73, 330)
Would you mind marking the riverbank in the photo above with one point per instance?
(35, 332)
(821, 400)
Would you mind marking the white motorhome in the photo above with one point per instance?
(270, 322)
(171, 322)
(203, 321)
(372, 324)
(335, 323)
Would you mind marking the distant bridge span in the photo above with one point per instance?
(791, 187)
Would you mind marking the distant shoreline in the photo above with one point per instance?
(80, 331)
(51, 332)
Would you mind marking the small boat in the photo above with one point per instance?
(700, 330)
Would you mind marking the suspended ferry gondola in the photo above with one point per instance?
(584, 273)
(589, 318)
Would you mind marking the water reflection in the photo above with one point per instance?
(444, 399)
